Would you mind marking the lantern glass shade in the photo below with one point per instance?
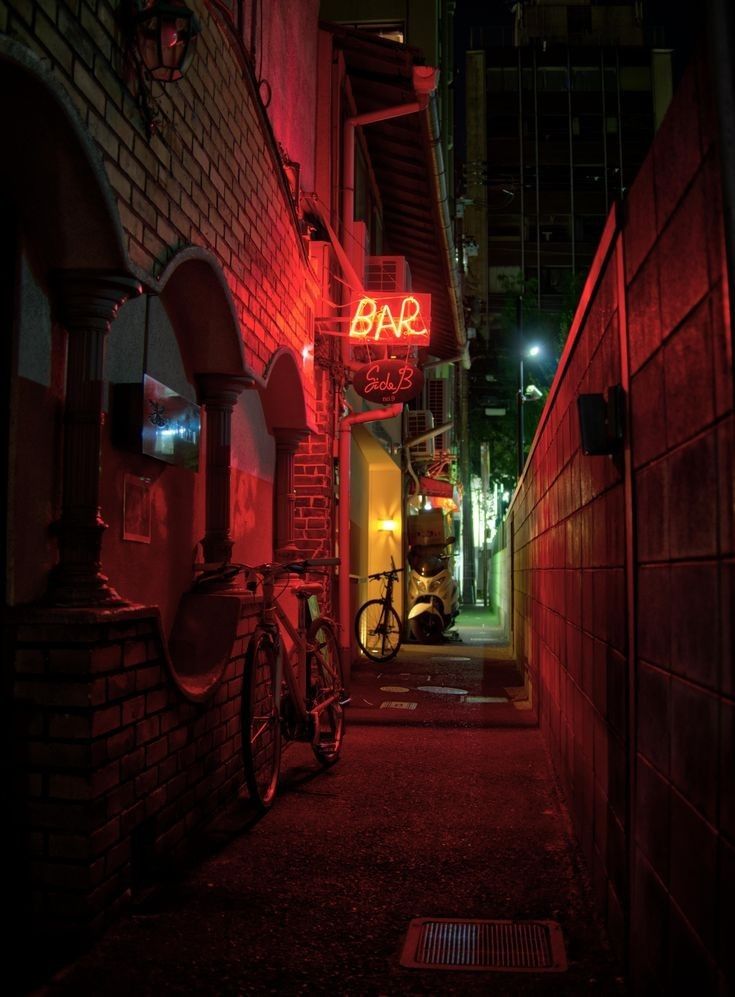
(165, 33)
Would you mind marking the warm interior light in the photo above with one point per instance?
(386, 525)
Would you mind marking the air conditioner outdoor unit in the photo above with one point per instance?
(437, 401)
(418, 422)
(387, 273)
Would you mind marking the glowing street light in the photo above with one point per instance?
(531, 393)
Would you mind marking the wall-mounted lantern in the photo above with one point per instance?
(164, 32)
(387, 525)
(601, 421)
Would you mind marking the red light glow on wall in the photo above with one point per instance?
(389, 317)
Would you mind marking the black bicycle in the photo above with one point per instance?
(292, 693)
(378, 626)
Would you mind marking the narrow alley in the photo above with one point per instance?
(427, 814)
(323, 320)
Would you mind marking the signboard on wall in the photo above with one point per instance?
(388, 381)
(392, 318)
(171, 425)
(153, 419)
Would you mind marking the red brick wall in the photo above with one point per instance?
(115, 773)
(622, 571)
(208, 175)
(116, 769)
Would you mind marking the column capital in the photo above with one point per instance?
(91, 299)
(288, 438)
(223, 389)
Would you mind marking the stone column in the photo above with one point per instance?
(219, 392)
(287, 441)
(86, 303)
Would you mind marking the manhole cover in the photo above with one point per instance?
(442, 690)
(503, 946)
(394, 688)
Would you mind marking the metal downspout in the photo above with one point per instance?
(345, 436)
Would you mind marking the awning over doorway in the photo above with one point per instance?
(406, 157)
(433, 486)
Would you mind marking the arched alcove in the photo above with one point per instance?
(53, 174)
(197, 310)
(61, 221)
(282, 393)
(194, 292)
(284, 406)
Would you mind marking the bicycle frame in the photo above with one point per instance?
(308, 707)
(380, 638)
(273, 618)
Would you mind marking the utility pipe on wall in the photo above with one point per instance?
(345, 436)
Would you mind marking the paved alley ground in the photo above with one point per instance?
(416, 820)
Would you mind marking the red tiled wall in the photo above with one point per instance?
(646, 752)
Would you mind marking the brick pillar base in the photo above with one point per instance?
(83, 681)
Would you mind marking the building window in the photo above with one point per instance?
(501, 278)
(588, 228)
(552, 78)
(586, 79)
(579, 20)
(504, 227)
(555, 279)
(502, 79)
(635, 78)
(502, 126)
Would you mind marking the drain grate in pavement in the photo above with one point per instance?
(503, 946)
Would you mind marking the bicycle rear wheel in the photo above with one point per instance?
(325, 682)
(378, 630)
(261, 723)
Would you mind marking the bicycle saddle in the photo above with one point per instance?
(304, 589)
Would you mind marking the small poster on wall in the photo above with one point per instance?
(137, 509)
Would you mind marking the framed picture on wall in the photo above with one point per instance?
(136, 509)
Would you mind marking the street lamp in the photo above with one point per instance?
(164, 34)
(525, 394)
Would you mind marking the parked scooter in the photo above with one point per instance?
(432, 592)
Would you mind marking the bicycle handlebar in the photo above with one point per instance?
(320, 562)
(226, 572)
(385, 574)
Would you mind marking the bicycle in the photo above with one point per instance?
(378, 626)
(295, 696)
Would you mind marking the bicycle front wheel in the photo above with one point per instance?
(325, 683)
(261, 722)
(378, 630)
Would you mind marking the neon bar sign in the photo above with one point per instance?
(386, 318)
